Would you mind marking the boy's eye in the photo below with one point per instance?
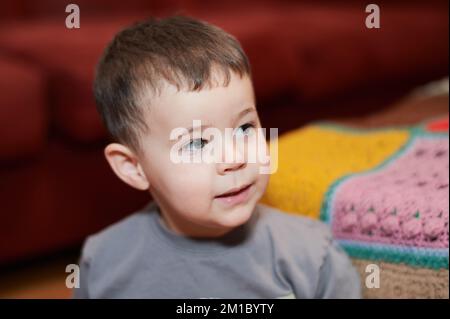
(245, 129)
(196, 144)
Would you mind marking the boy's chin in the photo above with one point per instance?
(237, 216)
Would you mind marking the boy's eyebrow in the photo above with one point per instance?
(244, 112)
(237, 117)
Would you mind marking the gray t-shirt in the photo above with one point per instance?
(273, 255)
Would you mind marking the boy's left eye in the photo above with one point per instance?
(196, 144)
(246, 129)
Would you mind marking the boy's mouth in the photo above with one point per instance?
(235, 191)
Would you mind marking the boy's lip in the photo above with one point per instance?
(234, 191)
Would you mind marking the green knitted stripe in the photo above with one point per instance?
(409, 257)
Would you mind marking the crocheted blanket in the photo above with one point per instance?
(384, 192)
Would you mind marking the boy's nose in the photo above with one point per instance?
(225, 168)
(233, 156)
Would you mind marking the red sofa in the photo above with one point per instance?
(310, 60)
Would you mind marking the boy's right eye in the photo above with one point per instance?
(195, 145)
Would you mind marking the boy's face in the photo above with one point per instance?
(189, 194)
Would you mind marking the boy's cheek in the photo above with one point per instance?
(191, 178)
(264, 181)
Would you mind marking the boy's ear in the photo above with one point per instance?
(126, 166)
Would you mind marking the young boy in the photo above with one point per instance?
(204, 235)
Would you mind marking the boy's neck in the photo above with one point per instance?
(187, 229)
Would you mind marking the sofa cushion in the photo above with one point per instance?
(70, 57)
(313, 51)
(336, 53)
(23, 109)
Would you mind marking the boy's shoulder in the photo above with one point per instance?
(290, 224)
(119, 236)
(305, 240)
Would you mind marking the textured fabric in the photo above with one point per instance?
(310, 159)
(402, 281)
(383, 192)
(397, 212)
(274, 255)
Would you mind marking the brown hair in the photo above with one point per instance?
(179, 50)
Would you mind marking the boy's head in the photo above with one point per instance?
(161, 75)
